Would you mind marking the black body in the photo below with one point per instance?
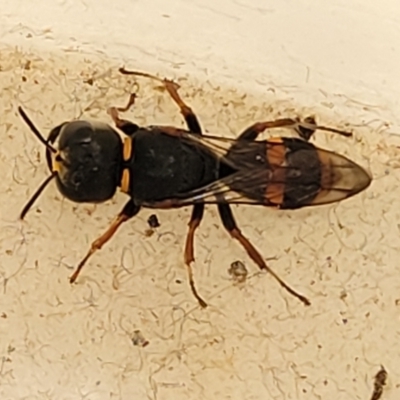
(163, 167)
(89, 166)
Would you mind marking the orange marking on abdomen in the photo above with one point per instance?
(326, 170)
(276, 156)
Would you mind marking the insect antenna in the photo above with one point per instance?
(35, 131)
(49, 149)
(39, 190)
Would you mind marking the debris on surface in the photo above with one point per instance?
(379, 383)
(138, 339)
(153, 221)
(153, 224)
(238, 271)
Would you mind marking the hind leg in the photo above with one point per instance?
(224, 209)
(304, 129)
(230, 225)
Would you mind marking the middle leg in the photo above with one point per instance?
(198, 209)
(194, 127)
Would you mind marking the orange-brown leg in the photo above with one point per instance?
(230, 225)
(194, 127)
(128, 127)
(172, 89)
(129, 210)
(198, 209)
(197, 215)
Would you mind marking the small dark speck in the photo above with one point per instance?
(138, 339)
(98, 383)
(178, 281)
(148, 232)
(344, 320)
(153, 221)
(89, 81)
(379, 383)
(166, 16)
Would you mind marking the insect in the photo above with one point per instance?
(168, 167)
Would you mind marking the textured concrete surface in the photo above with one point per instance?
(254, 341)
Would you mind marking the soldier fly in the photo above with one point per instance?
(167, 167)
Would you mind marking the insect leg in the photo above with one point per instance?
(198, 209)
(305, 129)
(128, 127)
(190, 118)
(228, 220)
(308, 127)
(252, 132)
(130, 209)
(195, 219)
(172, 89)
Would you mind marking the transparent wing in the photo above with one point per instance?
(271, 173)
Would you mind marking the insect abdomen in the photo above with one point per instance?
(304, 175)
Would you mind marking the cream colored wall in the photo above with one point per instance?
(237, 62)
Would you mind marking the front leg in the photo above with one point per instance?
(128, 127)
(172, 89)
(198, 209)
(130, 210)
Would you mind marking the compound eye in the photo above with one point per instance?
(58, 158)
